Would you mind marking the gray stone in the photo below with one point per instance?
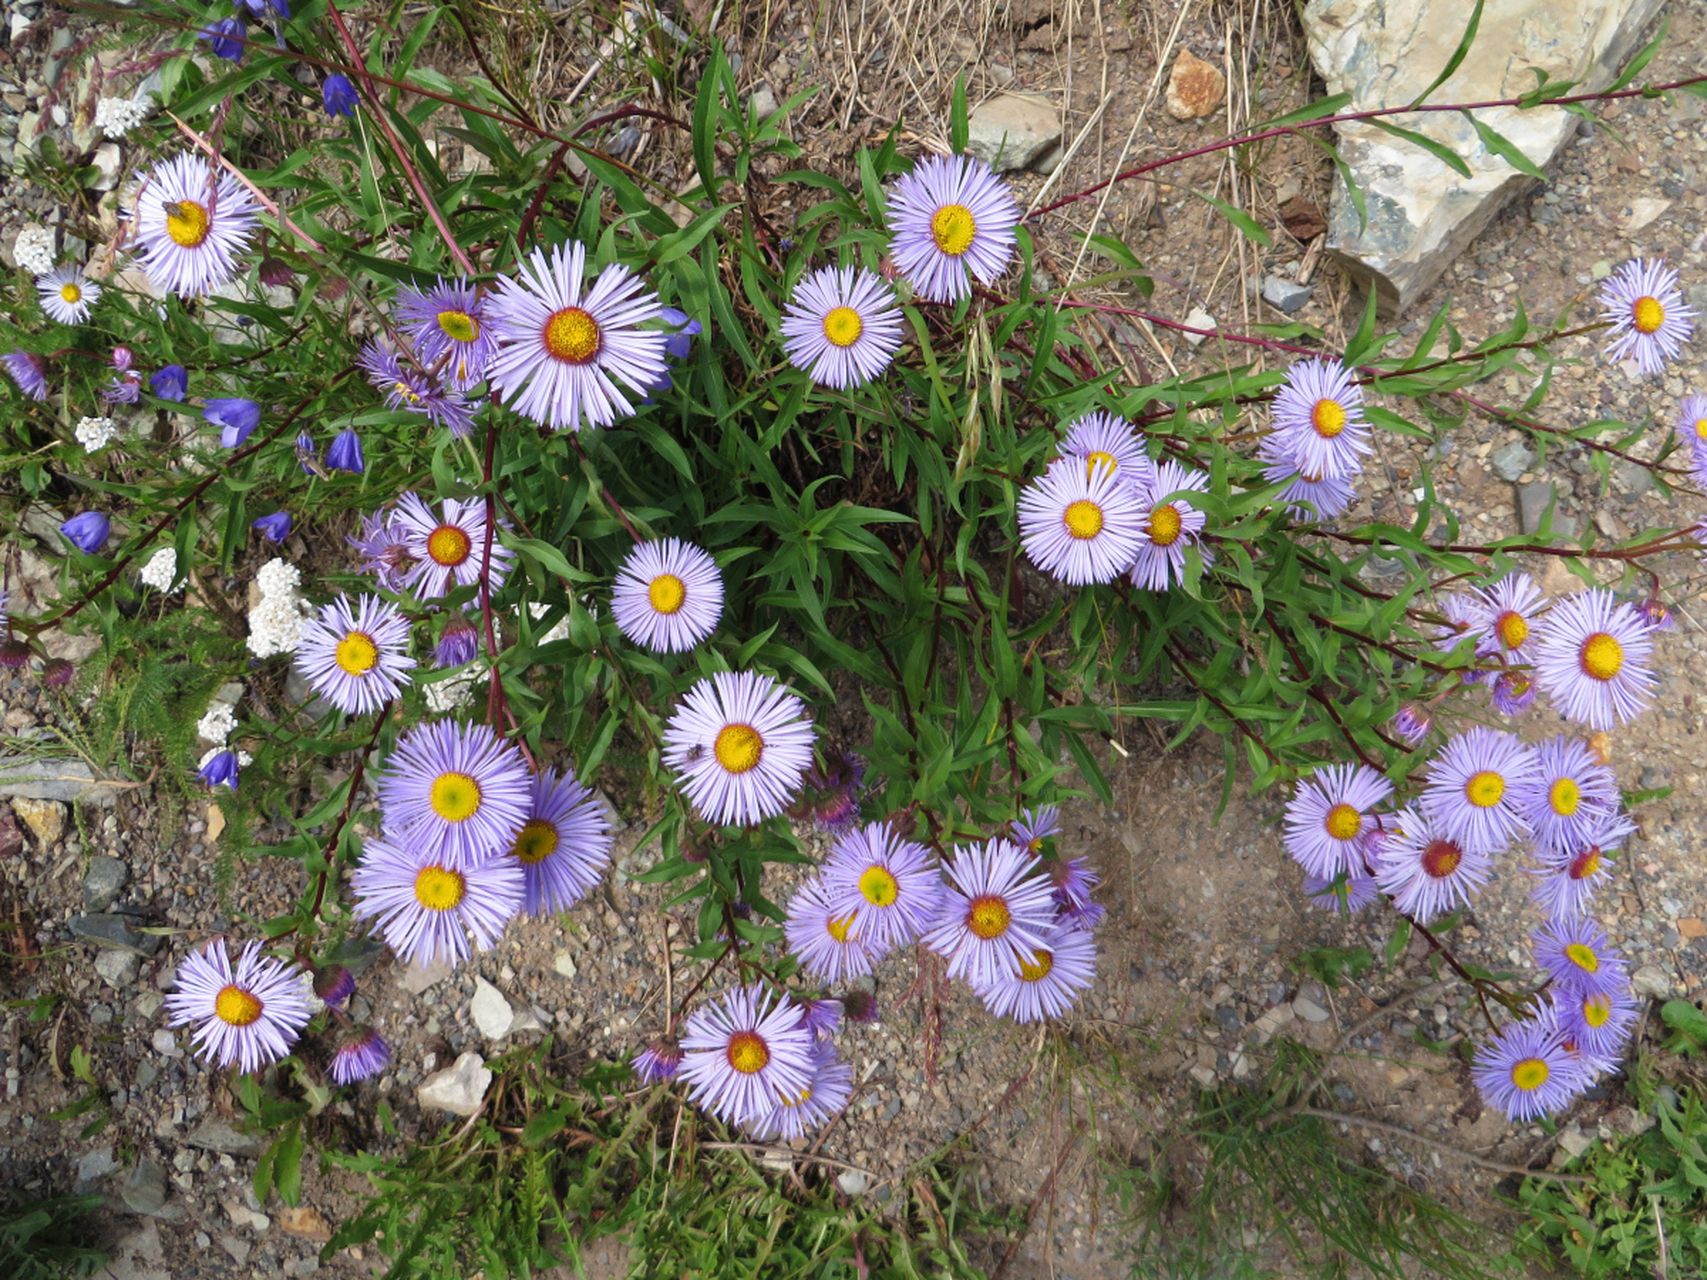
(165, 1043)
(853, 1182)
(217, 1135)
(1385, 53)
(1309, 1010)
(418, 978)
(1288, 295)
(1651, 980)
(1533, 499)
(113, 932)
(1512, 461)
(563, 964)
(44, 818)
(1634, 478)
(491, 1012)
(109, 166)
(97, 1164)
(144, 1191)
(62, 780)
(458, 1089)
(1198, 319)
(117, 968)
(102, 882)
(1011, 130)
(237, 1247)
(764, 102)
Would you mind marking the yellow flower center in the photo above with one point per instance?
(1596, 1010)
(455, 797)
(1441, 858)
(535, 842)
(1343, 822)
(748, 1052)
(459, 325)
(449, 545)
(988, 917)
(1037, 968)
(70, 293)
(437, 889)
(952, 227)
(1164, 525)
(843, 326)
(1647, 315)
(797, 1099)
(1530, 1074)
(1083, 519)
(1583, 956)
(666, 593)
(1328, 417)
(1512, 628)
(186, 223)
(840, 928)
(236, 1006)
(878, 886)
(1602, 656)
(356, 653)
(1564, 795)
(1100, 459)
(1585, 864)
(738, 747)
(1485, 789)
(1701, 428)
(572, 336)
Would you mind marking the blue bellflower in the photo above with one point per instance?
(170, 383)
(340, 96)
(226, 35)
(345, 453)
(274, 528)
(87, 532)
(236, 418)
(221, 770)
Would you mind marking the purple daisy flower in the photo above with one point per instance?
(1650, 322)
(949, 217)
(842, 326)
(1426, 871)
(1080, 527)
(459, 643)
(1568, 877)
(659, 1060)
(123, 388)
(668, 595)
(860, 1005)
(1569, 797)
(29, 371)
(1578, 956)
(1329, 814)
(345, 452)
(565, 844)
(797, 1114)
(1086, 917)
(682, 330)
(1034, 826)
(1318, 419)
(356, 656)
(456, 792)
(1473, 785)
(1412, 723)
(1108, 442)
(831, 942)
(1598, 1024)
(1513, 692)
(363, 1054)
(745, 1053)
(838, 782)
(416, 391)
(1050, 981)
(1591, 659)
(1346, 894)
(1692, 427)
(87, 531)
(1464, 617)
(245, 1016)
(274, 528)
(1526, 1071)
(820, 1017)
(997, 913)
(448, 552)
(447, 325)
(560, 349)
(65, 295)
(1170, 525)
(891, 883)
(1328, 496)
(426, 909)
(334, 984)
(1654, 612)
(1510, 608)
(383, 548)
(740, 744)
(190, 222)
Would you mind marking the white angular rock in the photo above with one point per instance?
(491, 1012)
(1386, 52)
(1011, 130)
(459, 1088)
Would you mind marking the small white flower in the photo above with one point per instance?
(217, 724)
(95, 434)
(160, 571)
(278, 577)
(116, 117)
(33, 250)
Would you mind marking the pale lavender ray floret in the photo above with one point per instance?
(1650, 321)
(831, 943)
(1318, 417)
(1526, 1071)
(446, 324)
(382, 546)
(1592, 659)
(1328, 496)
(1034, 826)
(563, 346)
(29, 371)
(362, 1055)
(416, 390)
(1073, 880)
(1569, 797)
(565, 844)
(1510, 609)
(1474, 782)
(1328, 815)
(1692, 427)
(949, 217)
(1345, 894)
(448, 551)
(1465, 617)
(997, 911)
(1170, 525)
(246, 1015)
(190, 223)
(355, 654)
(740, 745)
(1049, 982)
(1513, 692)
(1598, 1024)
(1579, 957)
(1568, 878)
(1425, 871)
(890, 882)
(426, 909)
(456, 792)
(1412, 723)
(744, 1053)
(1078, 527)
(668, 595)
(841, 326)
(797, 1114)
(65, 295)
(821, 1016)
(1103, 440)
(459, 643)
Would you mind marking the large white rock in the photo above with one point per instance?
(1386, 52)
(491, 1012)
(1012, 129)
(459, 1088)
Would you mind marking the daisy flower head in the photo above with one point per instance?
(561, 343)
(448, 552)
(997, 912)
(836, 784)
(1578, 956)
(1526, 1071)
(1569, 797)
(65, 295)
(821, 1016)
(798, 1114)
(382, 549)
(565, 844)
(1049, 982)
(842, 326)
(1474, 783)
(415, 390)
(1074, 880)
(1318, 418)
(743, 1054)
(1080, 527)
(1598, 1024)
(659, 1060)
(1464, 617)
(668, 595)
(1510, 608)
(1170, 525)
(355, 654)
(190, 223)
(426, 908)
(1329, 814)
(1427, 872)
(831, 941)
(363, 1054)
(1692, 427)
(447, 327)
(1645, 306)
(29, 371)
(1346, 894)
(891, 883)
(456, 792)
(740, 744)
(1034, 826)
(1568, 877)
(1513, 692)
(245, 1015)
(1104, 440)
(1591, 659)
(1328, 496)
(951, 216)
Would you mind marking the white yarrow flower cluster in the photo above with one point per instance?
(95, 434)
(116, 117)
(33, 250)
(275, 623)
(161, 569)
(217, 724)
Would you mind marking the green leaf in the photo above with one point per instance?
(1689, 1023)
(1439, 150)
(1239, 218)
(1457, 58)
(1397, 943)
(1504, 147)
(705, 123)
(959, 130)
(1642, 59)
(287, 1164)
(1328, 106)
